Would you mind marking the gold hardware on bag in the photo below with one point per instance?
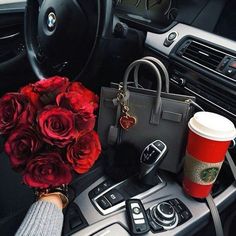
(126, 120)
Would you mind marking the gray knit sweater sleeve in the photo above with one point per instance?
(43, 218)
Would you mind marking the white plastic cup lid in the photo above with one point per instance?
(212, 126)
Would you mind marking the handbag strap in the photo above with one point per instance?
(215, 216)
(211, 203)
(160, 65)
(157, 106)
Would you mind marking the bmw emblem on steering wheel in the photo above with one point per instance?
(51, 21)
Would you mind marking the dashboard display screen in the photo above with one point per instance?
(159, 12)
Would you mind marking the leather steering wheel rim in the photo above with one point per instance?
(102, 33)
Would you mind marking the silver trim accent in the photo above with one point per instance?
(214, 49)
(203, 53)
(9, 36)
(122, 204)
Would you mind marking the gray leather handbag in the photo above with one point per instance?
(140, 116)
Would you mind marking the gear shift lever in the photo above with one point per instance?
(150, 158)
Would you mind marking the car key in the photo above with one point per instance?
(137, 218)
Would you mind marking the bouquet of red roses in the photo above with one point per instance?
(49, 131)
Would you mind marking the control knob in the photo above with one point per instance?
(165, 215)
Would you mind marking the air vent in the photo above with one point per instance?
(201, 54)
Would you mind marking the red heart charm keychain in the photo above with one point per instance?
(127, 122)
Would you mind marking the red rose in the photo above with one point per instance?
(47, 170)
(75, 102)
(34, 97)
(57, 126)
(45, 91)
(85, 123)
(84, 117)
(87, 94)
(54, 84)
(14, 108)
(84, 152)
(20, 145)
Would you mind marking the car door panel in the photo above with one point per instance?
(15, 70)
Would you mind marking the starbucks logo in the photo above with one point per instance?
(208, 175)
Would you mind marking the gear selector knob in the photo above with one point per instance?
(149, 160)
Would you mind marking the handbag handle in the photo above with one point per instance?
(157, 106)
(157, 63)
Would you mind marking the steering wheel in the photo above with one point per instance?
(64, 36)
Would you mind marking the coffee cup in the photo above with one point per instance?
(209, 137)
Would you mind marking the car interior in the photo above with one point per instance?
(94, 41)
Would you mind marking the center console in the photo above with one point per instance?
(169, 210)
(151, 202)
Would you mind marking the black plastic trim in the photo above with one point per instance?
(145, 27)
(175, 58)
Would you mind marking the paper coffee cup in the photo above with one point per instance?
(209, 137)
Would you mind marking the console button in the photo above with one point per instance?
(167, 43)
(170, 39)
(138, 216)
(172, 36)
(139, 222)
(180, 207)
(98, 190)
(114, 197)
(224, 63)
(159, 145)
(176, 202)
(106, 184)
(230, 72)
(185, 215)
(137, 213)
(136, 210)
(103, 203)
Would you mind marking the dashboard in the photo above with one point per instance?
(160, 15)
(196, 42)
